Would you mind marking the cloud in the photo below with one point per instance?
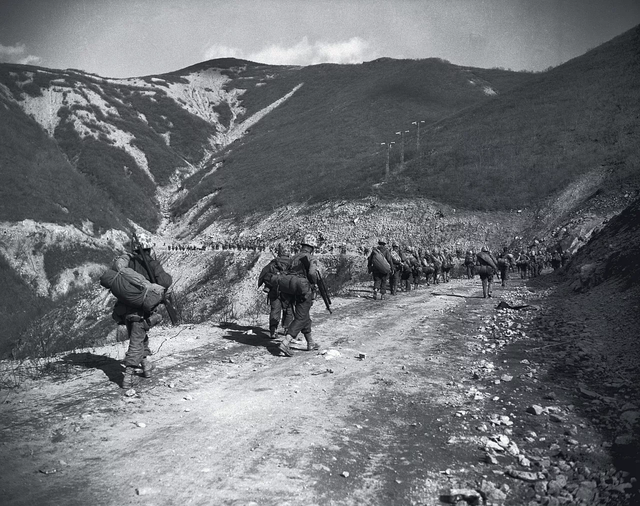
(354, 50)
(218, 51)
(16, 54)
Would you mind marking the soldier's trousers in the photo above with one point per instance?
(394, 280)
(380, 282)
(504, 274)
(487, 283)
(138, 344)
(301, 317)
(281, 310)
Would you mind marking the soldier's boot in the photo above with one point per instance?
(147, 367)
(283, 346)
(311, 344)
(375, 295)
(129, 378)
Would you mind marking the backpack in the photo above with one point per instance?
(395, 256)
(278, 266)
(293, 279)
(379, 263)
(132, 288)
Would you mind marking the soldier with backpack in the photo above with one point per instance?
(380, 265)
(280, 303)
(487, 268)
(301, 275)
(398, 262)
(138, 320)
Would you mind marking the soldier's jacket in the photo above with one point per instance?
(304, 264)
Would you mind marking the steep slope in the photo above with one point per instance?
(533, 140)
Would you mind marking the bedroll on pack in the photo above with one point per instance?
(380, 263)
(487, 259)
(292, 285)
(132, 288)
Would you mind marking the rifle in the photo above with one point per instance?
(322, 288)
(166, 299)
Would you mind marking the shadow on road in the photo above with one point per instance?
(249, 335)
(111, 367)
(456, 295)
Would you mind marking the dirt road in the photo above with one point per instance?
(408, 398)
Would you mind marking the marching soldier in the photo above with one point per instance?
(304, 265)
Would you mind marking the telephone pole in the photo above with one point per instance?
(388, 144)
(401, 134)
(418, 123)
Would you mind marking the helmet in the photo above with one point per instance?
(394, 245)
(309, 240)
(382, 240)
(485, 249)
(145, 241)
(283, 249)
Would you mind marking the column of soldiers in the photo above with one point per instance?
(399, 267)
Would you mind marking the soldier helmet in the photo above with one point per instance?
(485, 249)
(394, 245)
(382, 241)
(145, 241)
(309, 240)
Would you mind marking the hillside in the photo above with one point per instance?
(535, 139)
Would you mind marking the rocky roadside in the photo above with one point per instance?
(553, 406)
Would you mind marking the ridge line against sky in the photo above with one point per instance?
(127, 38)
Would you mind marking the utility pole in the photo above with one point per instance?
(417, 123)
(388, 144)
(401, 134)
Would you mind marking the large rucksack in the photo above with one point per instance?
(379, 263)
(277, 266)
(293, 280)
(395, 256)
(132, 288)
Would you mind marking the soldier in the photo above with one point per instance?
(503, 266)
(469, 263)
(522, 262)
(410, 270)
(398, 262)
(305, 267)
(280, 303)
(138, 321)
(447, 265)
(433, 260)
(380, 265)
(487, 268)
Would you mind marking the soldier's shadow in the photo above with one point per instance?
(111, 367)
(249, 334)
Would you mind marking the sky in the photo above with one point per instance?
(130, 38)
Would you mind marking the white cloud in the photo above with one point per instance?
(30, 60)
(354, 50)
(16, 54)
(218, 51)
